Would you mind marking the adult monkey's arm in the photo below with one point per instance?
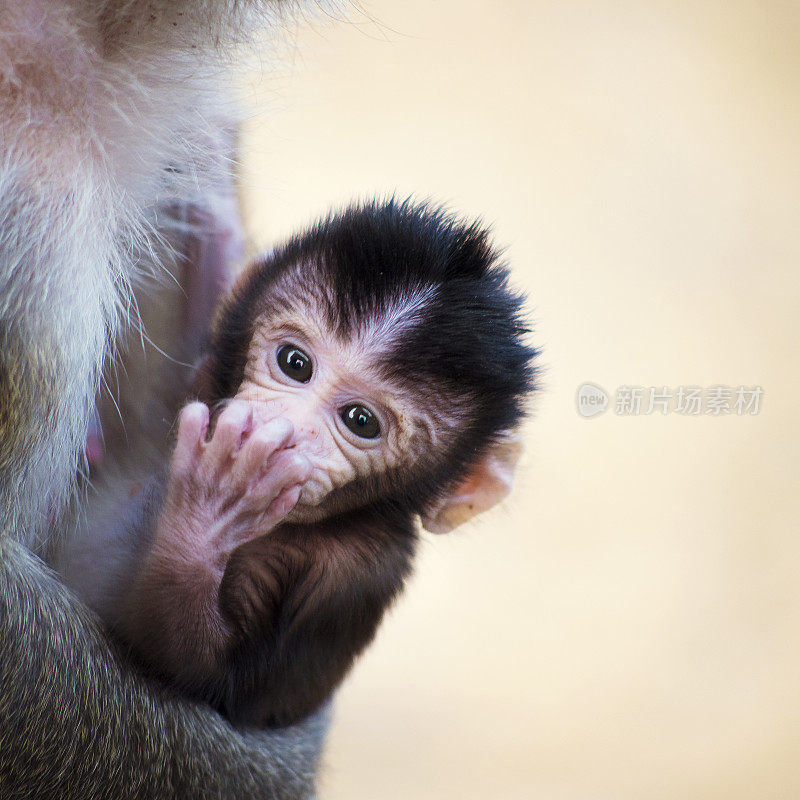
(76, 723)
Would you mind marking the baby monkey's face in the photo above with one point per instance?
(349, 420)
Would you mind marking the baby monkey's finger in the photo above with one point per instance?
(286, 468)
(232, 428)
(192, 427)
(262, 443)
(277, 510)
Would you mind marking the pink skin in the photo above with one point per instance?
(209, 251)
(230, 489)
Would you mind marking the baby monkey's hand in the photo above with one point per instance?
(231, 489)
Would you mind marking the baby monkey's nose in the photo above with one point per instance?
(306, 423)
(306, 439)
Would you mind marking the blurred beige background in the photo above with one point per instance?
(627, 626)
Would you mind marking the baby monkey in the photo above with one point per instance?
(368, 373)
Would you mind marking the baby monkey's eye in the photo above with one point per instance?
(361, 421)
(295, 363)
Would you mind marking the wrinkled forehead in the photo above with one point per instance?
(371, 327)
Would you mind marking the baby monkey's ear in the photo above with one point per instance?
(486, 484)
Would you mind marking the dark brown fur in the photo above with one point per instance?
(307, 600)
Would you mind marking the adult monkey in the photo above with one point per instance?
(114, 144)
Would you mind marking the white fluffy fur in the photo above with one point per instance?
(97, 100)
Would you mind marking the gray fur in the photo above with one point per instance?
(76, 724)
